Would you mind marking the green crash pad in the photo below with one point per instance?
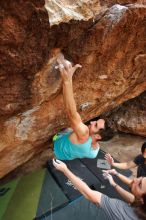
(24, 202)
(31, 196)
(6, 197)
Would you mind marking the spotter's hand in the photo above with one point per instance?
(59, 165)
(109, 177)
(112, 171)
(109, 159)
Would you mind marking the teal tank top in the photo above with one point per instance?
(64, 149)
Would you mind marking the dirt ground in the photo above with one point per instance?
(123, 147)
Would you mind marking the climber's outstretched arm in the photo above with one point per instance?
(67, 71)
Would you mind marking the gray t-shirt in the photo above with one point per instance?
(116, 209)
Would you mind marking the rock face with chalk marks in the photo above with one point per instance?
(108, 38)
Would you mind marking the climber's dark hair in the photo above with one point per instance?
(143, 147)
(106, 133)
